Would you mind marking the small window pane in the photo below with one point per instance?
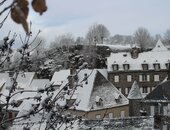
(110, 115)
(116, 78)
(148, 78)
(98, 116)
(129, 78)
(156, 77)
(145, 90)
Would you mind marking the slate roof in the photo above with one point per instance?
(86, 95)
(135, 92)
(149, 58)
(161, 92)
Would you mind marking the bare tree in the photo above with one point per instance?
(63, 41)
(142, 37)
(167, 37)
(97, 33)
(38, 54)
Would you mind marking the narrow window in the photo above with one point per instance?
(145, 90)
(116, 78)
(145, 66)
(115, 67)
(156, 66)
(156, 77)
(129, 78)
(110, 115)
(98, 116)
(126, 66)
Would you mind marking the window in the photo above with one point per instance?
(145, 66)
(11, 74)
(129, 78)
(70, 101)
(152, 110)
(98, 116)
(122, 114)
(99, 101)
(144, 77)
(126, 66)
(115, 67)
(167, 65)
(110, 115)
(148, 78)
(127, 90)
(117, 97)
(116, 78)
(156, 66)
(156, 77)
(145, 90)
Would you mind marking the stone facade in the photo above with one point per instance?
(114, 112)
(147, 84)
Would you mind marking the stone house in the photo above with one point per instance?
(97, 98)
(156, 103)
(23, 80)
(147, 68)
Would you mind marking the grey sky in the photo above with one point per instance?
(119, 16)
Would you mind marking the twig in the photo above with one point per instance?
(1, 3)
(8, 7)
(2, 23)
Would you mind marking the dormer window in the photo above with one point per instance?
(70, 102)
(99, 101)
(11, 74)
(156, 66)
(115, 67)
(145, 66)
(117, 97)
(167, 66)
(126, 66)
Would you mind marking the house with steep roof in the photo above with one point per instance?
(147, 68)
(158, 101)
(97, 98)
(23, 80)
(157, 104)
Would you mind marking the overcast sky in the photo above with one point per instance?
(76, 16)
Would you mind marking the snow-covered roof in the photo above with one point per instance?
(157, 55)
(35, 85)
(24, 79)
(86, 94)
(159, 46)
(103, 72)
(160, 93)
(116, 47)
(60, 77)
(3, 79)
(135, 92)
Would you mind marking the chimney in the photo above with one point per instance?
(135, 52)
(72, 77)
(168, 71)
